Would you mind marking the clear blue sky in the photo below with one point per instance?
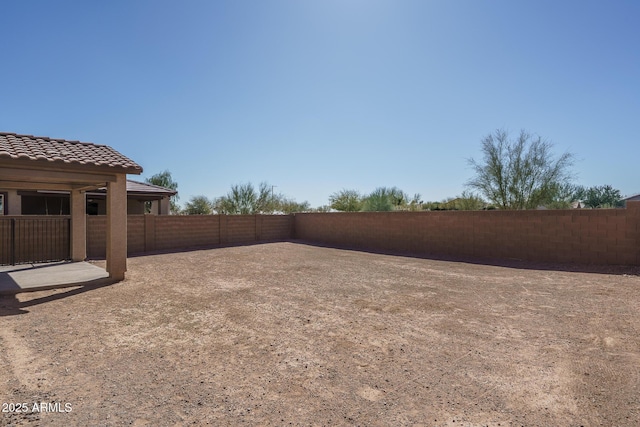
(316, 96)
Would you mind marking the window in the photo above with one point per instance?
(45, 205)
(3, 204)
(92, 207)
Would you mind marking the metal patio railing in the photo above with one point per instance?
(26, 240)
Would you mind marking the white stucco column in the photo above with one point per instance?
(78, 225)
(117, 227)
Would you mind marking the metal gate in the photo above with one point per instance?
(26, 240)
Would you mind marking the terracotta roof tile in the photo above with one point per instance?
(30, 147)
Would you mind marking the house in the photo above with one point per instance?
(141, 198)
(634, 198)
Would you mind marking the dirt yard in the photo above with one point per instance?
(290, 334)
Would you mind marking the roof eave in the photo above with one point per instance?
(67, 166)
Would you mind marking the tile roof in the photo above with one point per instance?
(142, 188)
(145, 187)
(133, 188)
(40, 148)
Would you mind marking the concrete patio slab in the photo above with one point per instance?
(36, 277)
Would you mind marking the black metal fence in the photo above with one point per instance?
(25, 240)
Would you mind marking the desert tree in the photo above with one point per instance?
(469, 201)
(346, 201)
(198, 205)
(245, 199)
(164, 179)
(521, 173)
(289, 206)
(399, 199)
(433, 206)
(564, 195)
(415, 204)
(323, 208)
(602, 196)
(378, 201)
(384, 199)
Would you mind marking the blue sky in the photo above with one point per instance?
(317, 96)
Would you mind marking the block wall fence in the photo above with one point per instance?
(148, 233)
(598, 236)
(584, 236)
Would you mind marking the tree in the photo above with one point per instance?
(415, 204)
(434, 206)
(603, 196)
(521, 173)
(346, 201)
(564, 196)
(399, 199)
(198, 205)
(244, 199)
(164, 179)
(469, 201)
(448, 204)
(386, 199)
(289, 206)
(378, 201)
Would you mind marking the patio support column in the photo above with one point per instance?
(117, 227)
(14, 203)
(78, 225)
(165, 206)
(155, 207)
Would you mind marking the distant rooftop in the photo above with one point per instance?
(134, 188)
(44, 149)
(146, 188)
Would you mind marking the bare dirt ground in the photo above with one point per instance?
(290, 334)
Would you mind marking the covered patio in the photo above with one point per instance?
(40, 163)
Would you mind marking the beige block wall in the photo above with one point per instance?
(148, 233)
(602, 236)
